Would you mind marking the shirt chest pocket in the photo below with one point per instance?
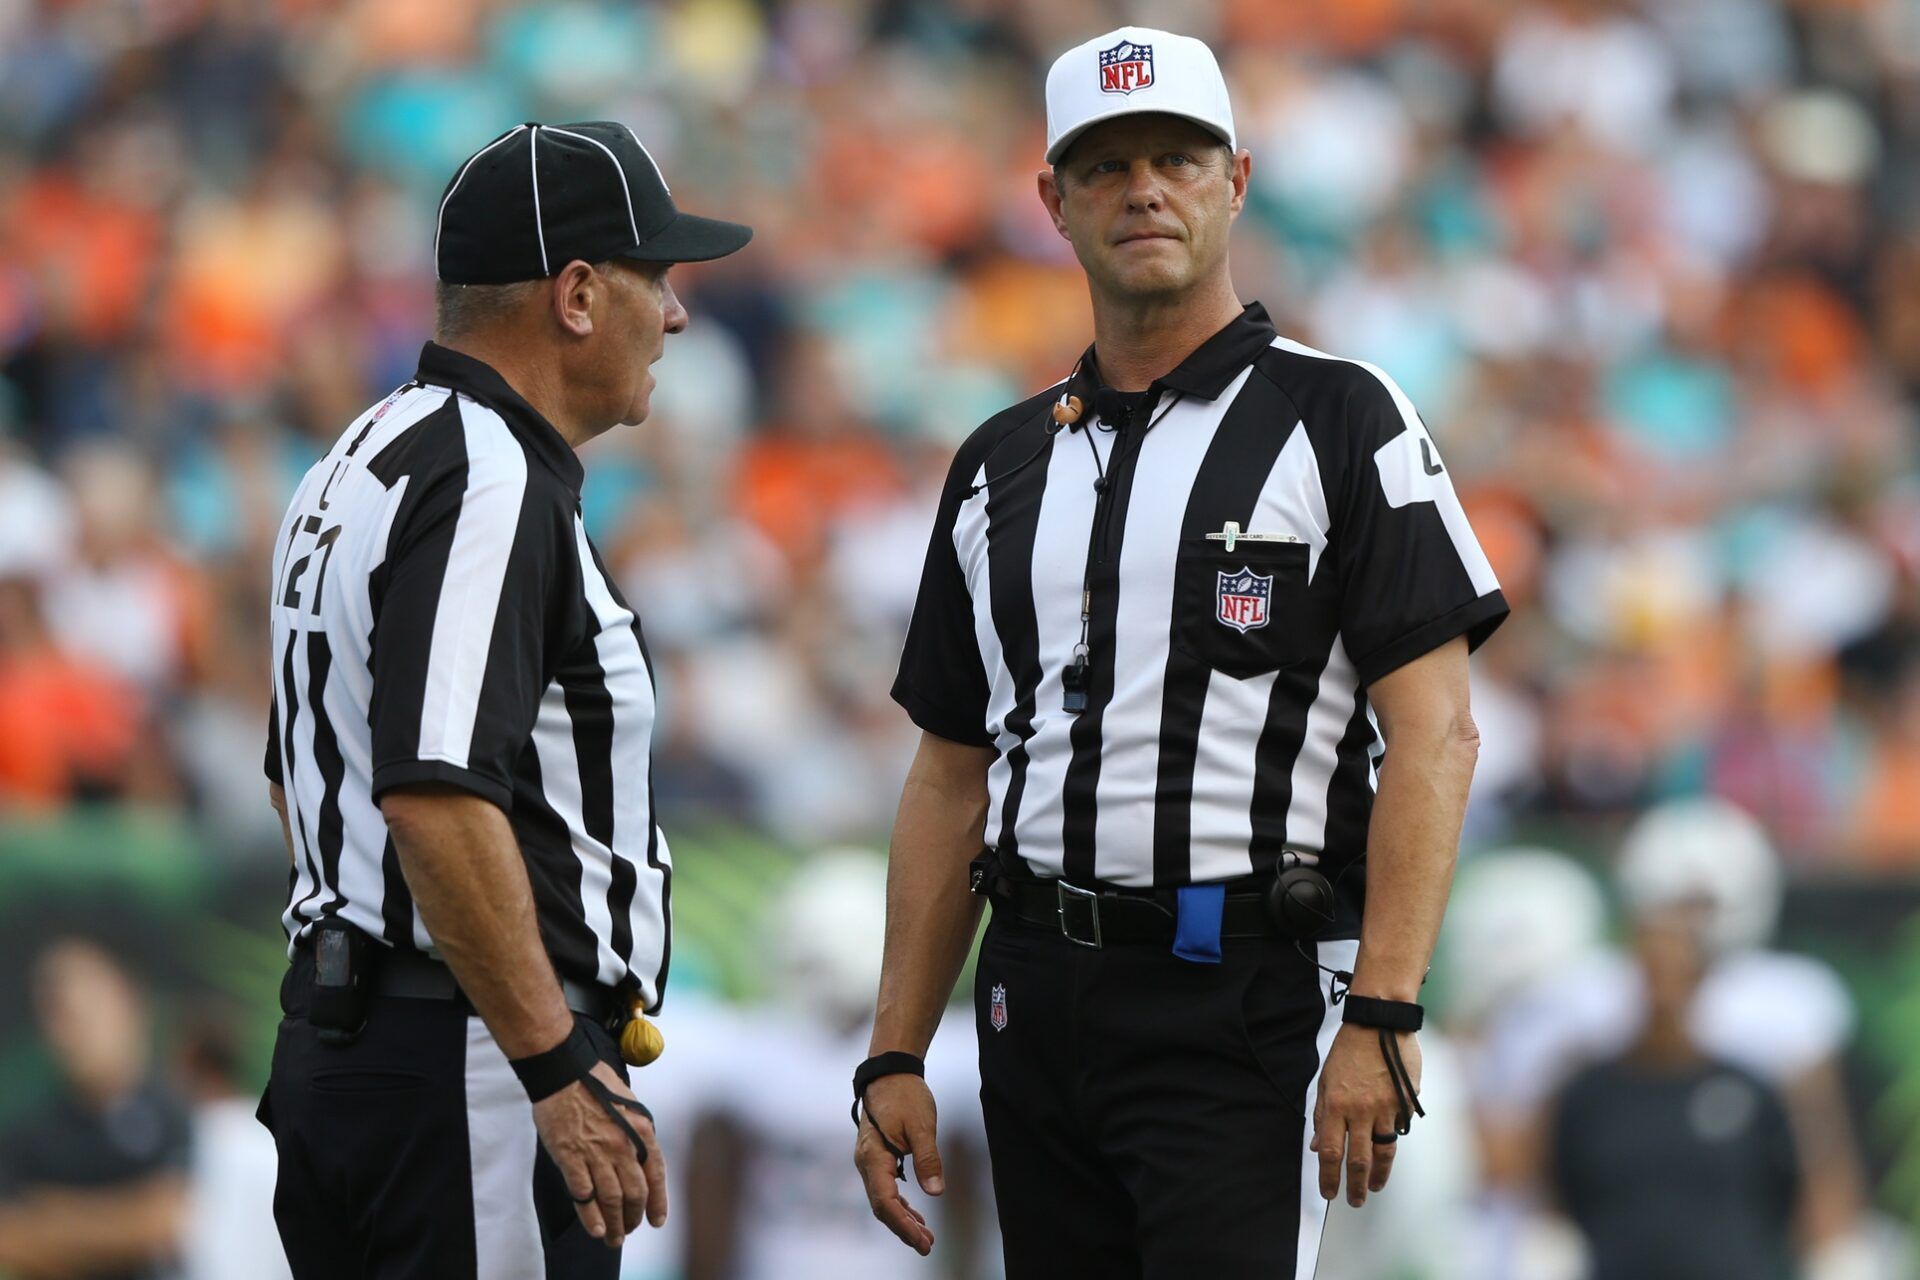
(1232, 609)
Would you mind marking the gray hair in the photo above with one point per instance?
(461, 310)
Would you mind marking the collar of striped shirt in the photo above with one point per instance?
(444, 367)
(1206, 373)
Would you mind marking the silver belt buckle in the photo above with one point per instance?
(1064, 891)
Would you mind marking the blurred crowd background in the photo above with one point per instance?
(1650, 270)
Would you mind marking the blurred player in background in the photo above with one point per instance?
(1519, 921)
(684, 1081)
(767, 1195)
(1706, 866)
(1676, 1165)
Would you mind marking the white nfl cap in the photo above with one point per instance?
(1130, 70)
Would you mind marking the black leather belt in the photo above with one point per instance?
(414, 975)
(411, 975)
(1092, 918)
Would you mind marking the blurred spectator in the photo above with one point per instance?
(36, 517)
(70, 723)
(93, 1185)
(230, 1232)
(124, 599)
(816, 464)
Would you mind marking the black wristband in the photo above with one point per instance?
(1388, 1015)
(544, 1074)
(894, 1063)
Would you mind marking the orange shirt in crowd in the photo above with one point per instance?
(1800, 327)
(1887, 833)
(65, 719)
(793, 490)
(243, 270)
(92, 257)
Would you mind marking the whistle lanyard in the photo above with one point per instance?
(1076, 681)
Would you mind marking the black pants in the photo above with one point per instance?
(1147, 1116)
(412, 1154)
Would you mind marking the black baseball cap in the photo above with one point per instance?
(540, 195)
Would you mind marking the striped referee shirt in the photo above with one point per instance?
(439, 615)
(1262, 535)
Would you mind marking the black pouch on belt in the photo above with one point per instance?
(338, 1006)
(983, 873)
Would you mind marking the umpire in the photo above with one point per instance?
(1175, 612)
(459, 750)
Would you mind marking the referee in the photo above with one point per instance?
(1190, 658)
(459, 750)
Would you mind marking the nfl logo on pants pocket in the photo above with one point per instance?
(1242, 600)
(997, 1010)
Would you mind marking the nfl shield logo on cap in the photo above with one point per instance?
(1126, 67)
(1243, 600)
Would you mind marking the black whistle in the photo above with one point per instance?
(1073, 687)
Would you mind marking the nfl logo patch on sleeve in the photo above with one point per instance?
(1126, 67)
(1243, 597)
(997, 1010)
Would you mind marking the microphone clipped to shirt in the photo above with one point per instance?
(1066, 413)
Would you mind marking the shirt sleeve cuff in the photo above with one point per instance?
(401, 772)
(939, 721)
(1477, 619)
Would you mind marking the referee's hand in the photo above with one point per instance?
(903, 1106)
(1357, 1101)
(611, 1189)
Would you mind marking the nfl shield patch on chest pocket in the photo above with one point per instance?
(1242, 598)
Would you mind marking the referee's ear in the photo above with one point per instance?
(1239, 173)
(1050, 182)
(574, 295)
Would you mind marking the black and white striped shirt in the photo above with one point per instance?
(439, 615)
(1276, 532)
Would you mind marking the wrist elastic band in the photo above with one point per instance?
(572, 1062)
(1388, 1017)
(544, 1074)
(1392, 1015)
(893, 1063)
